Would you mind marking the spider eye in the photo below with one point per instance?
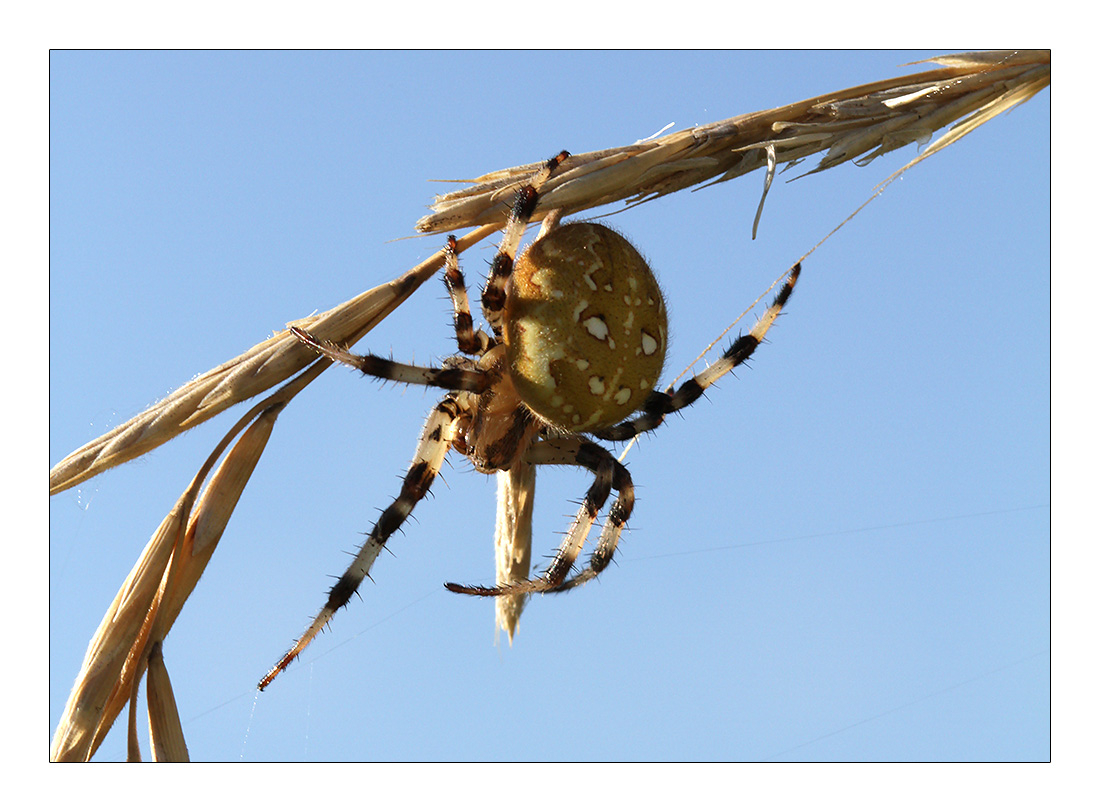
(585, 328)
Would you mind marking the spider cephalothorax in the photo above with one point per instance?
(577, 343)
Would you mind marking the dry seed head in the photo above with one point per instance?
(585, 327)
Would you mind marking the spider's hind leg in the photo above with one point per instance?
(610, 474)
(659, 404)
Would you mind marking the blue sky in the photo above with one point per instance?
(841, 554)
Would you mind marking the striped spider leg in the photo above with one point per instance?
(579, 333)
(659, 404)
(494, 296)
(481, 416)
(435, 441)
(610, 473)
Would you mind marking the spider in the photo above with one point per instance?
(577, 344)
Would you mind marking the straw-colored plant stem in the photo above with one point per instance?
(859, 123)
(263, 367)
(152, 596)
(154, 593)
(512, 540)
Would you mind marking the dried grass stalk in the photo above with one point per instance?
(165, 730)
(515, 508)
(160, 583)
(264, 366)
(860, 123)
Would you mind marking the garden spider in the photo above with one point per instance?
(578, 341)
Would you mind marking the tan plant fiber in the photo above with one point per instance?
(859, 123)
(263, 367)
(153, 594)
(512, 540)
(165, 730)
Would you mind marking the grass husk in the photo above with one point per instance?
(155, 592)
(856, 124)
(261, 368)
(859, 123)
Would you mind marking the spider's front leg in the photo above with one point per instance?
(436, 439)
(470, 341)
(527, 198)
(450, 378)
(610, 474)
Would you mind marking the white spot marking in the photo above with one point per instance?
(580, 308)
(649, 343)
(596, 326)
(623, 395)
(595, 385)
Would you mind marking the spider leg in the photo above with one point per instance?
(492, 297)
(613, 525)
(610, 474)
(470, 341)
(450, 378)
(435, 441)
(659, 404)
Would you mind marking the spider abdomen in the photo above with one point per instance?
(585, 327)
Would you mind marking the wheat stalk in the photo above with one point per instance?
(859, 123)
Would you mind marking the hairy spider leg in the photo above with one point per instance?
(435, 441)
(609, 474)
(450, 378)
(616, 517)
(493, 296)
(659, 404)
(470, 341)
